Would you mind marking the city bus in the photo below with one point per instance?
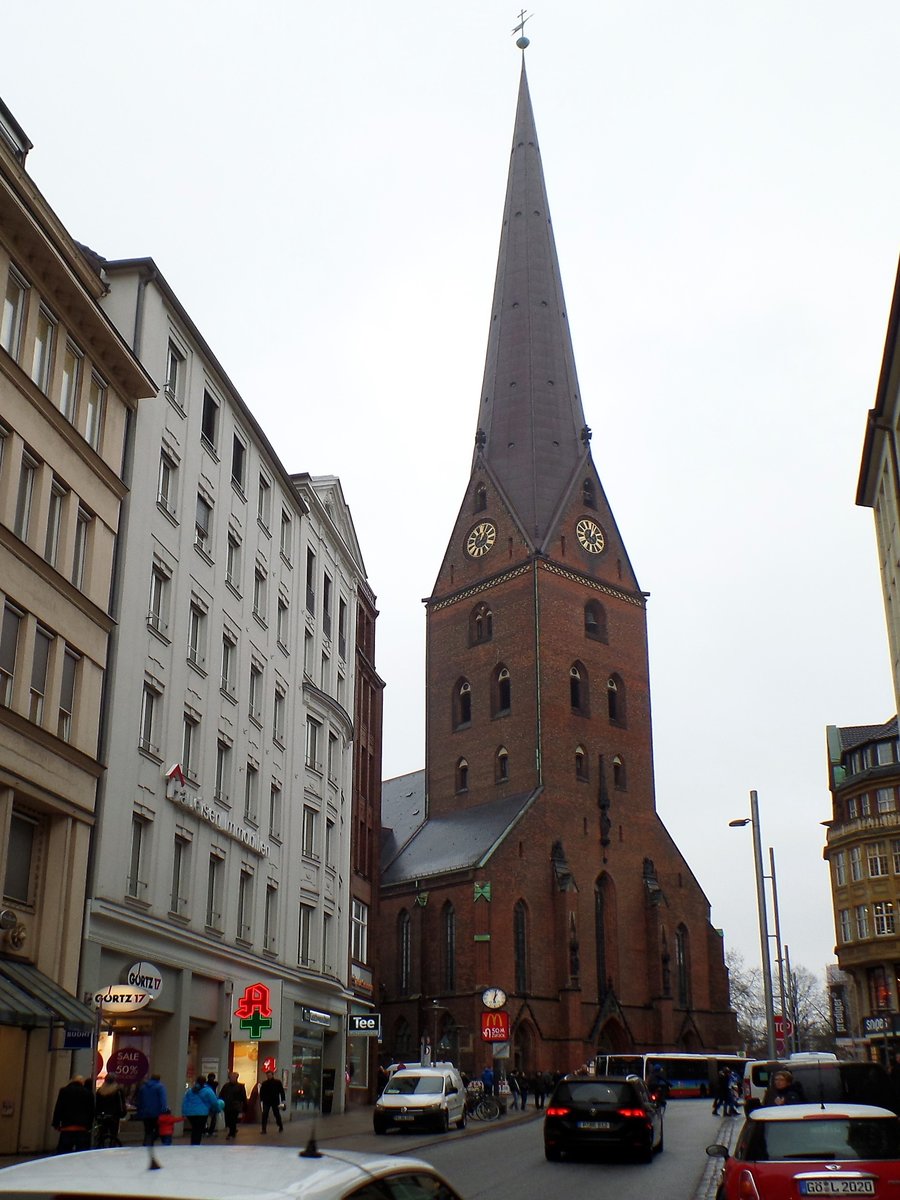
(688, 1074)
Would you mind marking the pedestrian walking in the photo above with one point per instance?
(213, 1083)
(524, 1089)
(151, 1101)
(73, 1116)
(540, 1089)
(166, 1122)
(109, 1109)
(487, 1078)
(199, 1101)
(233, 1095)
(271, 1099)
(513, 1080)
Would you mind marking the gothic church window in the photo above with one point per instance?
(481, 624)
(588, 496)
(501, 765)
(462, 704)
(581, 768)
(520, 946)
(619, 776)
(462, 775)
(578, 689)
(595, 621)
(449, 931)
(480, 498)
(404, 947)
(615, 699)
(500, 691)
(682, 967)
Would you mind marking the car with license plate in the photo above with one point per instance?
(213, 1172)
(798, 1150)
(602, 1114)
(421, 1098)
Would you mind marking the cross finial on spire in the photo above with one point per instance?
(522, 42)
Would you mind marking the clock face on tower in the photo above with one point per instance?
(590, 535)
(480, 539)
(493, 997)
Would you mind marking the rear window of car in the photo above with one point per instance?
(833, 1083)
(419, 1085)
(821, 1139)
(595, 1092)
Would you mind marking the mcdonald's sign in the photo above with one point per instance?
(495, 1027)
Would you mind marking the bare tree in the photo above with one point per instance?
(808, 1007)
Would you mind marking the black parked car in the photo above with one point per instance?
(602, 1113)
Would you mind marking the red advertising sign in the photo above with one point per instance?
(128, 1064)
(495, 1027)
(269, 1064)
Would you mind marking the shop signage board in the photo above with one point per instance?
(495, 1027)
(880, 1025)
(128, 1065)
(256, 1000)
(364, 1025)
(147, 977)
(120, 998)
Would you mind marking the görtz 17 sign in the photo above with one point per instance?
(495, 1027)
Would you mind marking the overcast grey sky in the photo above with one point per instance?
(322, 184)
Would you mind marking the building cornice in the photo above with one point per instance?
(435, 604)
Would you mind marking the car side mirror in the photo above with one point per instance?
(717, 1150)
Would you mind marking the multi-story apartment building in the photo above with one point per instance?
(68, 391)
(221, 862)
(863, 852)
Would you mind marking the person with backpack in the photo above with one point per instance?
(198, 1104)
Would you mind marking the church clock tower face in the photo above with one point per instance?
(480, 539)
(590, 535)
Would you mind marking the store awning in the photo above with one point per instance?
(30, 998)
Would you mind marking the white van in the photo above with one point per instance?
(821, 1078)
(423, 1098)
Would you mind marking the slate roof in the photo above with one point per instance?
(413, 848)
(858, 735)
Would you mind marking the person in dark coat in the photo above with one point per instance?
(109, 1107)
(783, 1090)
(151, 1101)
(271, 1098)
(73, 1116)
(234, 1095)
(213, 1084)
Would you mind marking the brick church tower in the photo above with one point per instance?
(526, 867)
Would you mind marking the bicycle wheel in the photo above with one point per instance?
(488, 1109)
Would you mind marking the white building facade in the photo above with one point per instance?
(219, 876)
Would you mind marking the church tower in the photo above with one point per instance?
(526, 868)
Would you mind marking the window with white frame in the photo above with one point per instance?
(326, 604)
(877, 859)
(94, 410)
(44, 344)
(209, 421)
(67, 694)
(852, 809)
(196, 647)
(203, 525)
(245, 905)
(71, 380)
(885, 800)
(264, 502)
(844, 925)
(840, 868)
(13, 315)
(287, 531)
(329, 843)
(270, 921)
(43, 643)
(856, 872)
(166, 483)
(333, 758)
(260, 592)
(310, 832)
(233, 562)
(254, 699)
(58, 493)
(157, 615)
(9, 645)
(150, 698)
(862, 921)
(181, 874)
(327, 943)
(22, 855)
(175, 374)
(342, 629)
(281, 630)
(25, 496)
(278, 716)
(238, 463)
(223, 772)
(229, 657)
(304, 936)
(136, 883)
(883, 918)
(275, 807)
(312, 744)
(359, 932)
(895, 855)
(190, 741)
(251, 793)
(308, 648)
(215, 875)
(83, 525)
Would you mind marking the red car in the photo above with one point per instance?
(797, 1150)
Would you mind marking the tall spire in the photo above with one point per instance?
(531, 427)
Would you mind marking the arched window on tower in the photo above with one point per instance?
(682, 967)
(500, 691)
(462, 703)
(480, 498)
(462, 775)
(581, 763)
(449, 933)
(615, 699)
(404, 953)
(578, 689)
(595, 621)
(588, 495)
(520, 946)
(501, 765)
(481, 624)
(619, 777)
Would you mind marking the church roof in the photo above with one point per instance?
(416, 848)
(531, 427)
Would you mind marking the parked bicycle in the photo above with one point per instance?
(105, 1132)
(480, 1106)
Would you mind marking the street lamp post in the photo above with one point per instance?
(753, 822)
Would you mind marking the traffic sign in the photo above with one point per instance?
(783, 1026)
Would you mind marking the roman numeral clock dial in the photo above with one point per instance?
(590, 535)
(480, 539)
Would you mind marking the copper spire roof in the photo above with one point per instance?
(531, 428)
